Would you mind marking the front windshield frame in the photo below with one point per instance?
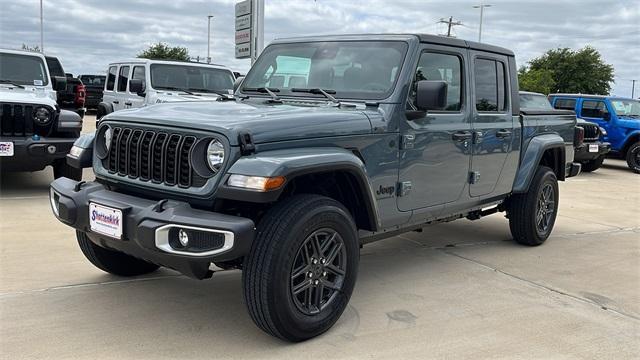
(23, 58)
(401, 45)
(634, 110)
(157, 86)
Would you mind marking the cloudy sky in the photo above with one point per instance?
(87, 34)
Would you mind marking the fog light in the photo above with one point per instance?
(183, 237)
(51, 149)
(256, 182)
(75, 151)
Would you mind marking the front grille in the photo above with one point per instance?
(17, 120)
(591, 131)
(154, 156)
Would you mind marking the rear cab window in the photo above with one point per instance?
(490, 85)
(565, 104)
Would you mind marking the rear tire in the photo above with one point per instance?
(113, 262)
(533, 214)
(593, 165)
(633, 157)
(314, 237)
(62, 169)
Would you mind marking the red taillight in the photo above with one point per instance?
(578, 137)
(80, 95)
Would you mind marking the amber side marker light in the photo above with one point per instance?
(258, 183)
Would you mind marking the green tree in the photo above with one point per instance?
(162, 51)
(540, 81)
(581, 71)
(30, 48)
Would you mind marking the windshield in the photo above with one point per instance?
(23, 69)
(534, 101)
(353, 69)
(193, 78)
(93, 80)
(627, 107)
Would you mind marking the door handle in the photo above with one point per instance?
(116, 102)
(461, 136)
(503, 133)
(128, 103)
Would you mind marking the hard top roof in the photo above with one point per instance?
(590, 96)
(168, 62)
(426, 38)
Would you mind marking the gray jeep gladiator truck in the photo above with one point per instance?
(365, 137)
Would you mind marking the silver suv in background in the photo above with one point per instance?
(140, 82)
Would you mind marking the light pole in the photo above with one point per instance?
(481, 7)
(209, 17)
(41, 30)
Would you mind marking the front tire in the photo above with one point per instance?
(113, 262)
(593, 165)
(633, 157)
(532, 215)
(62, 169)
(302, 267)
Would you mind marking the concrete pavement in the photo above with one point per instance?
(461, 289)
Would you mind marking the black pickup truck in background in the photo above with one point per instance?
(94, 87)
(73, 97)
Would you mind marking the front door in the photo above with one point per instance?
(435, 146)
(493, 123)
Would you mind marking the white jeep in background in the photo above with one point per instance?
(141, 82)
(34, 131)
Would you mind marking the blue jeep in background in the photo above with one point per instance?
(620, 118)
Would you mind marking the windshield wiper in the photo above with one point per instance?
(265, 90)
(11, 83)
(327, 93)
(175, 89)
(223, 95)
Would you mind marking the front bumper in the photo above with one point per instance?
(144, 223)
(582, 153)
(34, 155)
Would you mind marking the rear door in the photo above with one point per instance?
(435, 146)
(493, 123)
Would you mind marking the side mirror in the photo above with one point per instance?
(237, 83)
(59, 83)
(431, 95)
(136, 86)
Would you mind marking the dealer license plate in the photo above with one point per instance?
(593, 148)
(105, 220)
(6, 148)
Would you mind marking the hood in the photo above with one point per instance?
(265, 122)
(28, 95)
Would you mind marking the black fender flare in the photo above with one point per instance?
(532, 157)
(293, 163)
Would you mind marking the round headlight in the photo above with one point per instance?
(215, 155)
(42, 115)
(103, 141)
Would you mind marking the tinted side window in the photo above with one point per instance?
(55, 68)
(138, 73)
(594, 109)
(443, 67)
(565, 104)
(123, 78)
(111, 78)
(490, 85)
